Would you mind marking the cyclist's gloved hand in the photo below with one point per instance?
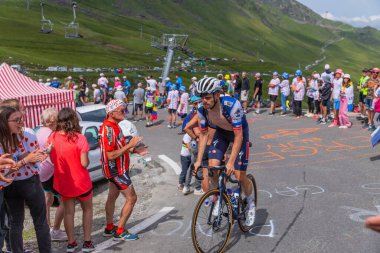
(196, 167)
(230, 169)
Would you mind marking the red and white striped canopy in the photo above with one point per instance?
(34, 96)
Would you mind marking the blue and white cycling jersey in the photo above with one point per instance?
(231, 110)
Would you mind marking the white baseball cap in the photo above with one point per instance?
(327, 67)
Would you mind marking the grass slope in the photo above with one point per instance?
(243, 29)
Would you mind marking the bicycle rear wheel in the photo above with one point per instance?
(243, 207)
(211, 229)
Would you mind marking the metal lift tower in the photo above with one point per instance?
(46, 24)
(171, 43)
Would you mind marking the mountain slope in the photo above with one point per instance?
(284, 33)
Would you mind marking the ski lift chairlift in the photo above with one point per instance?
(46, 24)
(72, 29)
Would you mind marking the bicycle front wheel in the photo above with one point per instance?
(243, 207)
(212, 222)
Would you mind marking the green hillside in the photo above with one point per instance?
(117, 33)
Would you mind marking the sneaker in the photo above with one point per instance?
(372, 128)
(88, 247)
(58, 235)
(134, 121)
(198, 192)
(186, 190)
(283, 114)
(365, 126)
(169, 126)
(215, 211)
(71, 247)
(180, 187)
(109, 233)
(251, 215)
(271, 114)
(343, 127)
(125, 236)
(257, 112)
(333, 124)
(322, 122)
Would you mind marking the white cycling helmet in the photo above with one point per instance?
(207, 85)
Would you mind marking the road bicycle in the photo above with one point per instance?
(216, 212)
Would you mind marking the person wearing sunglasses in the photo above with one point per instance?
(115, 148)
(371, 84)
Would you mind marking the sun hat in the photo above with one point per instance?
(113, 105)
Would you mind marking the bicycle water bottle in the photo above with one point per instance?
(231, 196)
(236, 198)
(234, 202)
(236, 195)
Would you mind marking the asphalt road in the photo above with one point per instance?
(316, 186)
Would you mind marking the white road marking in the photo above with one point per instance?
(136, 229)
(171, 163)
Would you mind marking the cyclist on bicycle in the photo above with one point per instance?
(225, 114)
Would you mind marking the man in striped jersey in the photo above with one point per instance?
(115, 150)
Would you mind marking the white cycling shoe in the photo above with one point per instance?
(251, 215)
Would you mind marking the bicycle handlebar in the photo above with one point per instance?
(215, 168)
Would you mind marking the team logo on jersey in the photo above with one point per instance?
(241, 153)
(238, 113)
(214, 143)
(228, 103)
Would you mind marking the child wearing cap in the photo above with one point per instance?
(273, 92)
(149, 104)
(172, 102)
(345, 92)
(183, 104)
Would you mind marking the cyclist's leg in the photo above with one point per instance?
(241, 164)
(246, 184)
(217, 149)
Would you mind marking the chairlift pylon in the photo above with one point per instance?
(72, 29)
(46, 24)
(171, 43)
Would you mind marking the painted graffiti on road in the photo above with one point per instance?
(289, 132)
(308, 147)
(372, 188)
(269, 226)
(360, 214)
(182, 228)
(295, 191)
